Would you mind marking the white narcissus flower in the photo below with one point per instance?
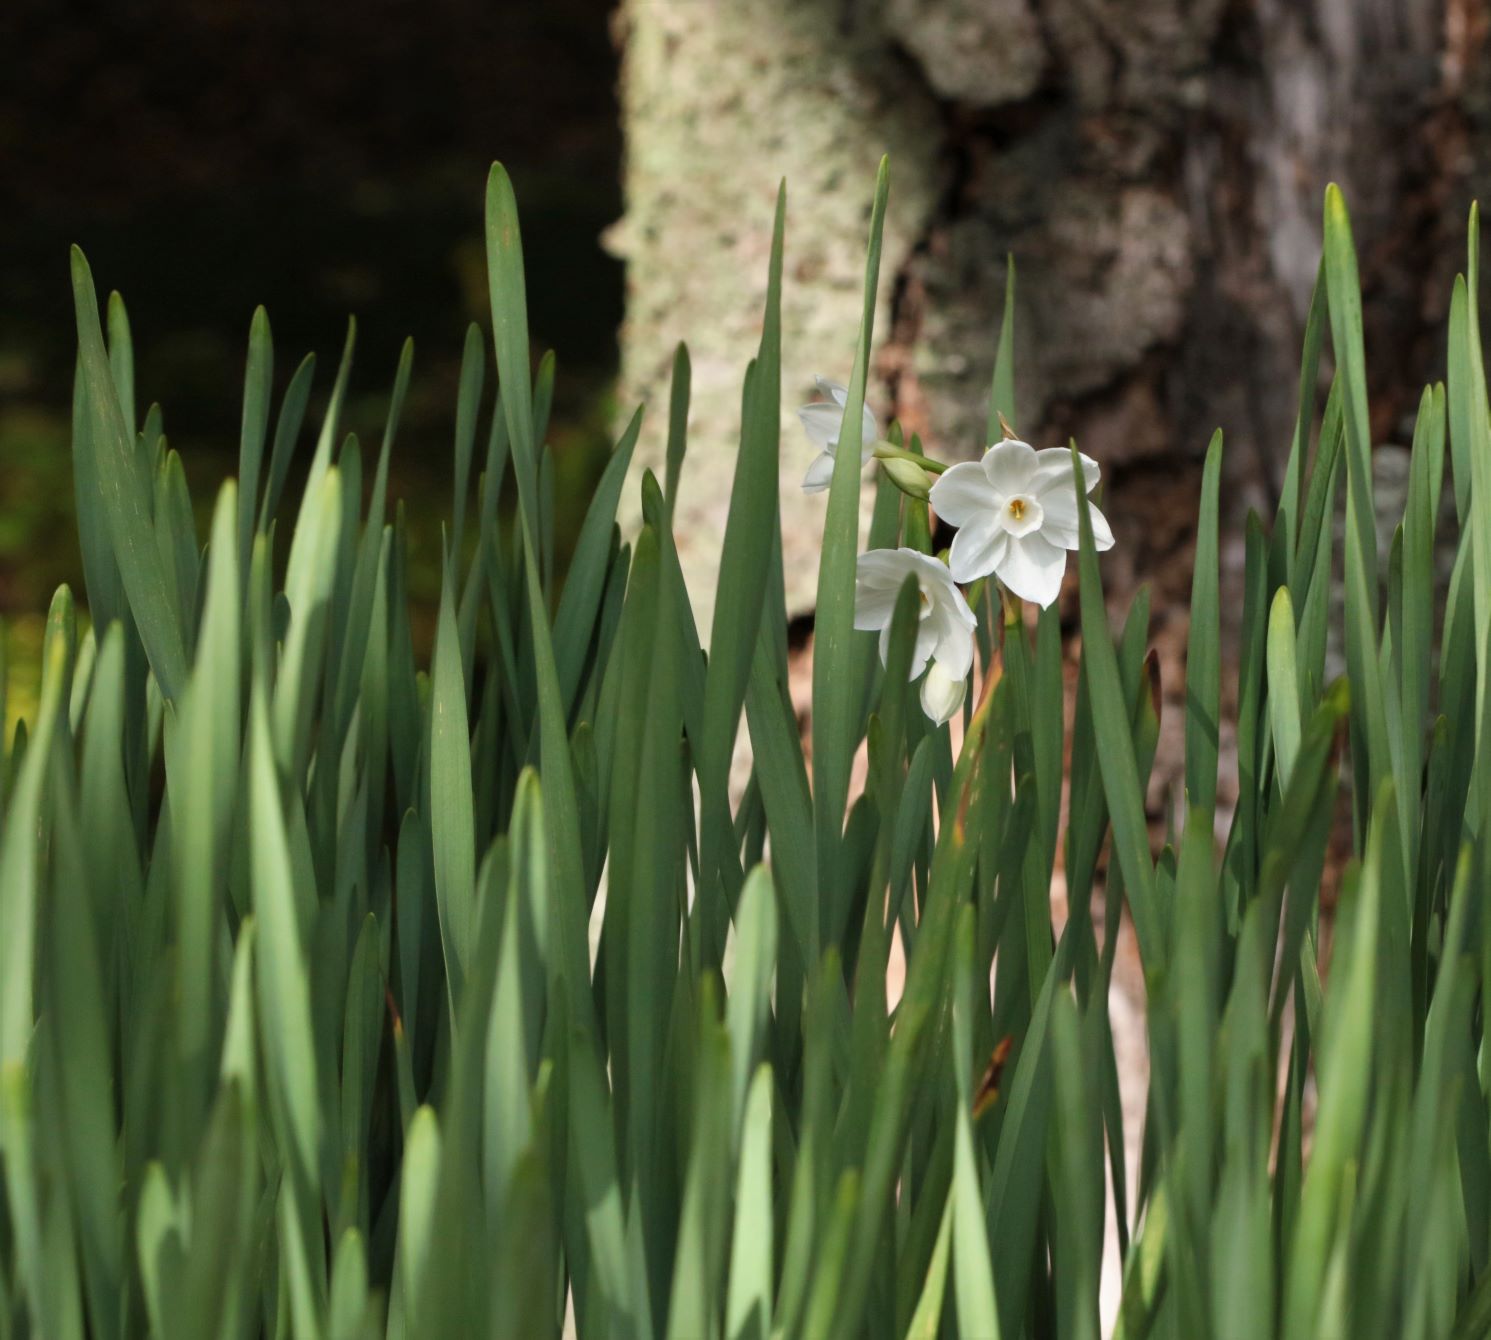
(944, 633)
(1016, 510)
(822, 422)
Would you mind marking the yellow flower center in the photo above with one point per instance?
(1017, 508)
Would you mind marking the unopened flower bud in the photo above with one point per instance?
(907, 476)
(942, 694)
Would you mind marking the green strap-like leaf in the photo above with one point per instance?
(258, 381)
(835, 732)
(1002, 393)
(1204, 646)
(468, 404)
(678, 425)
(452, 823)
(126, 506)
(1115, 746)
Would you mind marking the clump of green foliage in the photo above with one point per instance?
(302, 1030)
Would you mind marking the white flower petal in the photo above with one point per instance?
(835, 391)
(963, 493)
(921, 649)
(942, 693)
(926, 644)
(878, 577)
(957, 608)
(932, 574)
(1102, 532)
(1009, 466)
(876, 590)
(885, 567)
(954, 640)
(821, 422)
(1032, 568)
(1053, 469)
(820, 473)
(946, 624)
(1060, 525)
(977, 549)
(873, 607)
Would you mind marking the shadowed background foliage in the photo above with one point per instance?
(324, 161)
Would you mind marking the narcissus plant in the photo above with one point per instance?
(347, 992)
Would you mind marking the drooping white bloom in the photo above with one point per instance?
(942, 694)
(1016, 510)
(822, 421)
(944, 634)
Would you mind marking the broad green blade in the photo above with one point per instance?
(1204, 646)
(282, 976)
(1370, 737)
(126, 510)
(748, 1009)
(1283, 685)
(1115, 746)
(973, 1274)
(744, 555)
(835, 732)
(1002, 394)
(678, 425)
(510, 335)
(579, 603)
(418, 1186)
(1345, 1069)
(452, 823)
(468, 406)
(749, 1291)
(258, 382)
(122, 358)
(20, 873)
(202, 771)
(286, 432)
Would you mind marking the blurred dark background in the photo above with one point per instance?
(324, 160)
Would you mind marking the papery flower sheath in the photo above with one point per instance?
(944, 635)
(1016, 513)
(822, 421)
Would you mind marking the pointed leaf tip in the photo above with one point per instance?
(82, 274)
